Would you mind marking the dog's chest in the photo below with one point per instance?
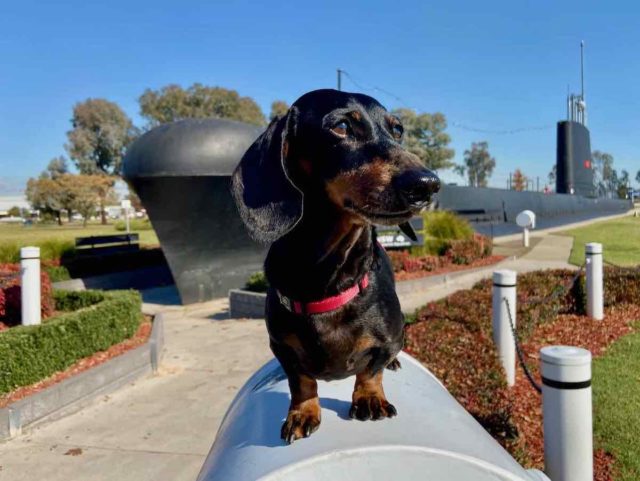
(335, 351)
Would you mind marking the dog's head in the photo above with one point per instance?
(343, 147)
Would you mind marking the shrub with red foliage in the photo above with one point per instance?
(464, 251)
(10, 295)
(453, 338)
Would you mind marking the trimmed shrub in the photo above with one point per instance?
(257, 282)
(404, 261)
(134, 225)
(29, 354)
(11, 295)
(442, 224)
(465, 251)
(51, 249)
(56, 271)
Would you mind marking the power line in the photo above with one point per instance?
(451, 122)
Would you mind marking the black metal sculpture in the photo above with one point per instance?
(181, 173)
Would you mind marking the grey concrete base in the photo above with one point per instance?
(250, 305)
(74, 393)
(246, 304)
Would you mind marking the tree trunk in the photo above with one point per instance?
(103, 214)
(59, 218)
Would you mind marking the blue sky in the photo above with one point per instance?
(492, 66)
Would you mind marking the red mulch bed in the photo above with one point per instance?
(138, 339)
(453, 338)
(574, 330)
(483, 262)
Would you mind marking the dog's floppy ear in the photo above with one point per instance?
(269, 203)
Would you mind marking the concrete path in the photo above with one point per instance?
(161, 427)
(549, 252)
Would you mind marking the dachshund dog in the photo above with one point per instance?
(313, 184)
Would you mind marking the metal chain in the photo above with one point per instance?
(525, 368)
(559, 291)
(556, 293)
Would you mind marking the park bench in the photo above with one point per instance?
(107, 244)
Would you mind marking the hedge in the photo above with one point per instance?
(134, 225)
(91, 321)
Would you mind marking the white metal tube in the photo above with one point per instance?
(595, 289)
(525, 237)
(566, 412)
(504, 311)
(30, 286)
(126, 216)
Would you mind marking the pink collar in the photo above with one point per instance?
(324, 305)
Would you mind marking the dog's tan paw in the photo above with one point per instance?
(371, 406)
(301, 421)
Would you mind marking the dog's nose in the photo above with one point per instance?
(417, 186)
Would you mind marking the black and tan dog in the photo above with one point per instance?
(312, 185)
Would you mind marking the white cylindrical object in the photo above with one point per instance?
(566, 412)
(504, 287)
(525, 237)
(126, 216)
(30, 286)
(441, 443)
(595, 289)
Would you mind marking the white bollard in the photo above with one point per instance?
(595, 290)
(525, 237)
(566, 412)
(30, 287)
(504, 286)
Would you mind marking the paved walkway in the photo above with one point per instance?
(161, 427)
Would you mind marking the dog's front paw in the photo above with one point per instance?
(394, 365)
(301, 421)
(371, 406)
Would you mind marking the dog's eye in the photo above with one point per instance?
(341, 129)
(397, 131)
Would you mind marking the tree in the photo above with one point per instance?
(479, 164)
(47, 195)
(638, 177)
(425, 136)
(103, 185)
(604, 175)
(57, 167)
(15, 211)
(86, 190)
(101, 133)
(279, 108)
(520, 181)
(622, 187)
(173, 103)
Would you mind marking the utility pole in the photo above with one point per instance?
(339, 79)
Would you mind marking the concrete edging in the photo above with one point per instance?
(77, 392)
(250, 305)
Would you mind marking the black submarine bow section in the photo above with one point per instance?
(181, 172)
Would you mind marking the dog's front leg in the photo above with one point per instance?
(369, 401)
(304, 412)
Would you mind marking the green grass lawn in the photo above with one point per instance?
(616, 391)
(53, 239)
(620, 239)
